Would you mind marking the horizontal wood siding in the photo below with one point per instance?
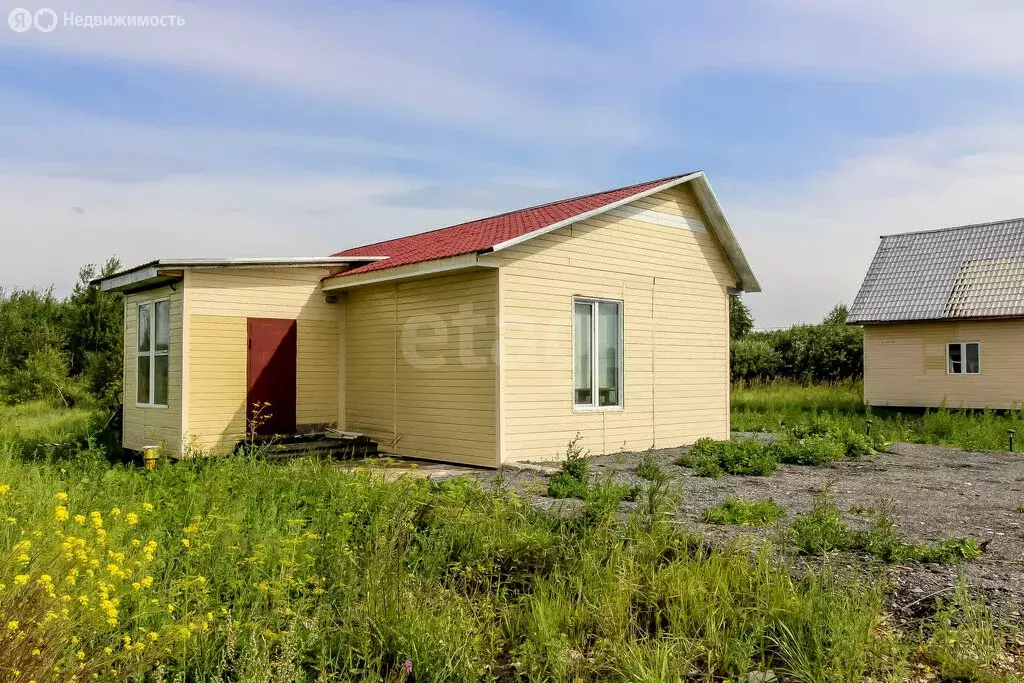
(905, 365)
(421, 371)
(672, 281)
(219, 302)
(144, 427)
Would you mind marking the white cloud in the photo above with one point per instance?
(438, 63)
(811, 241)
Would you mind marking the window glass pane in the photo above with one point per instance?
(163, 325)
(160, 380)
(973, 358)
(583, 333)
(145, 311)
(142, 380)
(955, 365)
(608, 354)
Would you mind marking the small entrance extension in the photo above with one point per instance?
(271, 398)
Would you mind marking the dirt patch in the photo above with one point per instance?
(931, 492)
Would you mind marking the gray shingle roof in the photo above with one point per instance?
(972, 271)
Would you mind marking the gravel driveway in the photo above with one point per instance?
(931, 492)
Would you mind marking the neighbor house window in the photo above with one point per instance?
(151, 358)
(964, 358)
(597, 353)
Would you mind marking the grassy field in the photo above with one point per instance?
(238, 569)
(767, 406)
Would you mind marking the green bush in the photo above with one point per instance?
(754, 358)
(744, 512)
(810, 450)
(822, 530)
(828, 352)
(710, 458)
(565, 485)
(649, 469)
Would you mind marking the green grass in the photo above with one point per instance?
(744, 512)
(39, 429)
(240, 569)
(776, 406)
(823, 530)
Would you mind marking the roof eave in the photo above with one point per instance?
(161, 271)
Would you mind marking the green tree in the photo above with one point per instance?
(94, 333)
(740, 320)
(32, 362)
(837, 316)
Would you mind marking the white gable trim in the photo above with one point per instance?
(709, 203)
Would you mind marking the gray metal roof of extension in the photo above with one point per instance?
(971, 271)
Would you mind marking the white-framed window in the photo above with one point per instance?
(152, 351)
(963, 358)
(597, 354)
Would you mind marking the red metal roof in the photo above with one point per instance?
(485, 233)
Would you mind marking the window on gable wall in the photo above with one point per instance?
(597, 353)
(963, 358)
(152, 362)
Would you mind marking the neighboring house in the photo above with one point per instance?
(491, 341)
(943, 317)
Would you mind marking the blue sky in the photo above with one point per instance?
(302, 128)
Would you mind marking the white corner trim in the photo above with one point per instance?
(595, 212)
(441, 265)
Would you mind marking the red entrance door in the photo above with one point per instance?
(272, 376)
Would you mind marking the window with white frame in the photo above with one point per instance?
(964, 358)
(152, 363)
(597, 353)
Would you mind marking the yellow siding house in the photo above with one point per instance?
(500, 339)
(943, 317)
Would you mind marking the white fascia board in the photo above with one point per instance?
(461, 262)
(726, 237)
(127, 279)
(595, 212)
(267, 261)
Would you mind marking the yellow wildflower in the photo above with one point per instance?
(153, 635)
(131, 518)
(187, 543)
(12, 625)
(80, 520)
(115, 512)
(147, 581)
(79, 655)
(60, 513)
(12, 520)
(61, 496)
(148, 507)
(5, 489)
(21, 579)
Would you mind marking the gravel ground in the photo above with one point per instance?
(931, 492)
